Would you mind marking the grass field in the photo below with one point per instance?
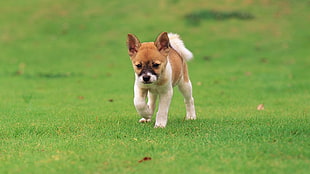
(66, 87)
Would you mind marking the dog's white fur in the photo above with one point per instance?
(164, 91)
(177, 44)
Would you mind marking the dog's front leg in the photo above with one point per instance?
(140, 104)
(152, 101)
(163, 108)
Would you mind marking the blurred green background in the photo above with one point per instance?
(65, 76)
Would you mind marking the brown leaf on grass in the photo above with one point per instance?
(260, 107)
(21, 69)
(145, 159)
(81, 97)
(263, 60)
(248, 73)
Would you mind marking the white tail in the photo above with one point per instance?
(177, 44)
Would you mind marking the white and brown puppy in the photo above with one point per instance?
(159, 66)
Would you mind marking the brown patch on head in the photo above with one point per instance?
(149, 56)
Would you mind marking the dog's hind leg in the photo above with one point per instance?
(186, 90)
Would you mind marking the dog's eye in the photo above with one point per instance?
(156, 65)
(139, 65)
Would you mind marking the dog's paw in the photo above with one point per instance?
(144, 120)
(159, 126)
(190, 117)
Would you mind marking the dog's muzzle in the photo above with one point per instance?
(147, 78)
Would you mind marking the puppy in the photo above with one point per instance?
(159, 66)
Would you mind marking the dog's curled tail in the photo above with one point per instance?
(177, 44)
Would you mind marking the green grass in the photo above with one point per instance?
(66, 88)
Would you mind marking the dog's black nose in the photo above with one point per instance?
(146, 78)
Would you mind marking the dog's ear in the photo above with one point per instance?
(162, 43)
(133, 44)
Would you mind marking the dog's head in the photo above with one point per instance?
(149, 59)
